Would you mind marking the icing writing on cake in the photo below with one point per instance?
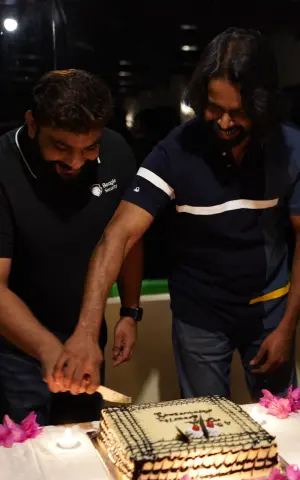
(175, 417)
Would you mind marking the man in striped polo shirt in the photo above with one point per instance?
(234, 174)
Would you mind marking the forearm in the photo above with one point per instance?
(131, 276)
(103, 271)
(291, 315)
(20, 327)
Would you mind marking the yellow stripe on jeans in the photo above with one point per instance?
(280, 292)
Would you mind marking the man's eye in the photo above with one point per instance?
(92, 148)
(214, 108)
(60, 148)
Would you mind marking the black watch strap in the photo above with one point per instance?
(135, 313)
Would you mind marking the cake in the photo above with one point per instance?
(201, 437)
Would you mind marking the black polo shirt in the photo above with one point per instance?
(230, 222)
(50, 228)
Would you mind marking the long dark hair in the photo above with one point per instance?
(245, 58)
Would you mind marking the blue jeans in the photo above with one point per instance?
(203, 354)
(23, 390)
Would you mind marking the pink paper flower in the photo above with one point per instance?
(11, 432)
(16, 431)
(30, 426)
(293, 472)
(267, 398)
(276, 475)
(294, 398)
(6, 439)
(280, 407)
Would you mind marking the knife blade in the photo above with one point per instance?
(111, 396)
(204, 429)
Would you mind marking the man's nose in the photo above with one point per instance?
(225, 121)
(76, 162)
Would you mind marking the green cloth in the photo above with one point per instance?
(149, 287)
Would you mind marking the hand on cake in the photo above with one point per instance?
(124, 341)
(78, 367)
(274, 352)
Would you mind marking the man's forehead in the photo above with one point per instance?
(71, 138)
(224, 94)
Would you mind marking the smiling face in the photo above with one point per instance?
(68, 152)
(225, 111)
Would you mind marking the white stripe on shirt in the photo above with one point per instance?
(228, 206)
(156, 180)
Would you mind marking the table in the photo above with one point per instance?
(41, 459)
(287, 432)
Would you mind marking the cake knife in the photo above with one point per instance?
(111, 396)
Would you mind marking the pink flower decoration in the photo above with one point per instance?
(276, 475)
(294, 398)
(11, 432)
(280, 408)
(293, 472)
(6, 439)
(267, 398)
(15, 430)
(185, 477)
(30, 427)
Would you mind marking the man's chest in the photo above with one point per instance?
(63, 219)
(211, 182)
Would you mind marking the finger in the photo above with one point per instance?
(94, 381)
(68, 373)
(53, 386)
(268, 367)
(76, 380)
(260, 355)
(125, 356)
(85, 383)
(58, 369)
(118, 345)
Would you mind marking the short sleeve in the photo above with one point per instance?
(6, 227)
(153, 187)
(129, 164)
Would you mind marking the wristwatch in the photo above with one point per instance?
(135, 313)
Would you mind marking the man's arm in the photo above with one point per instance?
(277, 347)
(129, 285)
(126, 227)
(20, 327)
(289, 322)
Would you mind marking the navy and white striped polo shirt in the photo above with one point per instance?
(230, 225)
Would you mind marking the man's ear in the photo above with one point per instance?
(31, 125)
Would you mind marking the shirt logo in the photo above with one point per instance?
(109, 186)
(136, 189)
(96, 190)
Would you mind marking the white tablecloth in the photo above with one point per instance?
(41, 459)
(287, 432)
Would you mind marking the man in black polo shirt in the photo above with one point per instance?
(62, 176)
(234, 175)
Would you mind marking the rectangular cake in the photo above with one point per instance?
(202, 437)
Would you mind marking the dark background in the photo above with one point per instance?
(146, 52)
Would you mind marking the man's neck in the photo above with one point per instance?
(238, 151)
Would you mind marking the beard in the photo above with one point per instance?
(47, 172)
(240, 134)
